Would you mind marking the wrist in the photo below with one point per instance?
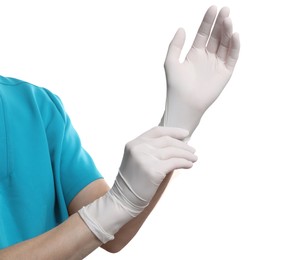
(105, 216)
(189, 122)
(162, 119)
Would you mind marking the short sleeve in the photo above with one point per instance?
(72, 166)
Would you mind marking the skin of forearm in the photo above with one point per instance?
(73, 240)
(70, 240)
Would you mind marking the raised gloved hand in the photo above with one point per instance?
(146, 161)
(194, 84)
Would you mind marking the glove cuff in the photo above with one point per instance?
(106, 215)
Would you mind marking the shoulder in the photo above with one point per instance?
(19, 92)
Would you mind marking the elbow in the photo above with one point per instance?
(113, 247)
(113, 250)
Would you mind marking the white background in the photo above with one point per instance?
(105, 60)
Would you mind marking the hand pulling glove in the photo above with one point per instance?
(146, 161)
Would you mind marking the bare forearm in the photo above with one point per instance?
(127, 232)
(70, 240)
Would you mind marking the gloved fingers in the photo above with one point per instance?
(176, 46)
(225, 39)
(174, 132)
(215, 37)
(166, 141)
(204, 31)
(174, 164)
(233, 53)
(173, 152)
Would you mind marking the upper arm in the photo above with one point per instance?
(80, 180)
(91, 192)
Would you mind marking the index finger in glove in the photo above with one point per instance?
(204, 31)
(174, 132)
(174, 152)
(166, 141)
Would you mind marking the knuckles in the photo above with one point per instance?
(156, 130)
(136, 148)
(166, 140)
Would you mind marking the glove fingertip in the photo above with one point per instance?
(185, 133)
(176, 45)
(179, 38)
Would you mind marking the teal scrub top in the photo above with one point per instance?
(42, 163)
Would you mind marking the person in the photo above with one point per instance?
(54, 203)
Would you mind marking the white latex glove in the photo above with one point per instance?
(146, 161)
(194, 84)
